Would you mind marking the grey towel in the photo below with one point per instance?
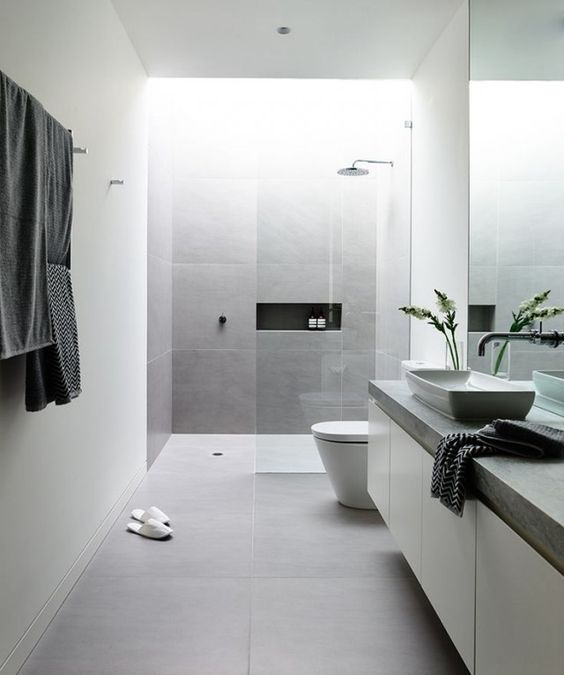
(453, 459)
(24, 314)
(525, 439)
(53, 373)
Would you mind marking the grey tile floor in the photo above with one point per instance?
(265, 575)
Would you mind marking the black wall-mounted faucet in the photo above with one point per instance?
(552, 338)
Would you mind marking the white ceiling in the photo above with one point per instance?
(329, 38)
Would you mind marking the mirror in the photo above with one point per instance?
(516, 175)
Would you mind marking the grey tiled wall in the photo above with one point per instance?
(517, 210)
(260, 215)
(214, 273)
(393, 263)
(214, 391)
(159, 284)
(524, 358)
(159, 404)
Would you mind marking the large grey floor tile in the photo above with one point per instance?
(302, 531)
(347, 627)
(206, 543)
(203, 493)
(287, 453)
(213, 476)
(236, 458)
(126, 626)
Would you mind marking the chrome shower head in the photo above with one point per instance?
(353, 171)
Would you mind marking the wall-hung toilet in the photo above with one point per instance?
(343, 447)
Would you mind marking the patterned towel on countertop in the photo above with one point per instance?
(455, 452)
(453, 460)
(525, 439)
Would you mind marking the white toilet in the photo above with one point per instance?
(343, 447)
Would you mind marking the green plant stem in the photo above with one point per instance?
(516, 327)
(452, 352)
(456, 354)
(500, 356)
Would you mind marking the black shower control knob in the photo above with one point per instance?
(222, 319)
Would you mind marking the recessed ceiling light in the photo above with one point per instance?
(283, 30)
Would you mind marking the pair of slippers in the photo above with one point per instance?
(152, 523)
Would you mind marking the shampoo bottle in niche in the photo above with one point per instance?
(312, 321)
(321, 321)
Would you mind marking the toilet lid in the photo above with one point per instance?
(342, 432)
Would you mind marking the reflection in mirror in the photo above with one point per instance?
(516, 177)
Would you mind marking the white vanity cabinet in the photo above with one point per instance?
(519, 604)
(405, 495)
(379, 459)
(500, 601)
(448, 565)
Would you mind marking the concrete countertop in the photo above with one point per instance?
(527, 494)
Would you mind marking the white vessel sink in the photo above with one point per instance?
(550, 390)
(469, 395)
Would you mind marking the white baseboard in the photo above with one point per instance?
(27, 642)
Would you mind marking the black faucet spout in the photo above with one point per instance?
(551, 338)
(490, 337)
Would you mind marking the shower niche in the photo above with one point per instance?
(282, 316)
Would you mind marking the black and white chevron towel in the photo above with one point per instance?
(453, 458)
(53, 373)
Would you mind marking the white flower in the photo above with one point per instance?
(417, 312)
(527, 306)
(444, 303)
(447, 326)
(545, 312)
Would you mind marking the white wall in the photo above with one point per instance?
(440, 183)
(62, 470)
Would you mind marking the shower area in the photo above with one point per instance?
(276, 264)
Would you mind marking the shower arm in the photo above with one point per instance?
(371, 161)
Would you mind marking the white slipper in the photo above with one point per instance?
(152, 529)
(152, 512)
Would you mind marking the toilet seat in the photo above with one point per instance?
(341, 431)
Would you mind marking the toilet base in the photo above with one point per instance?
(346, 465)
(372, 507)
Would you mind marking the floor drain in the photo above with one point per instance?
(217, 454)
